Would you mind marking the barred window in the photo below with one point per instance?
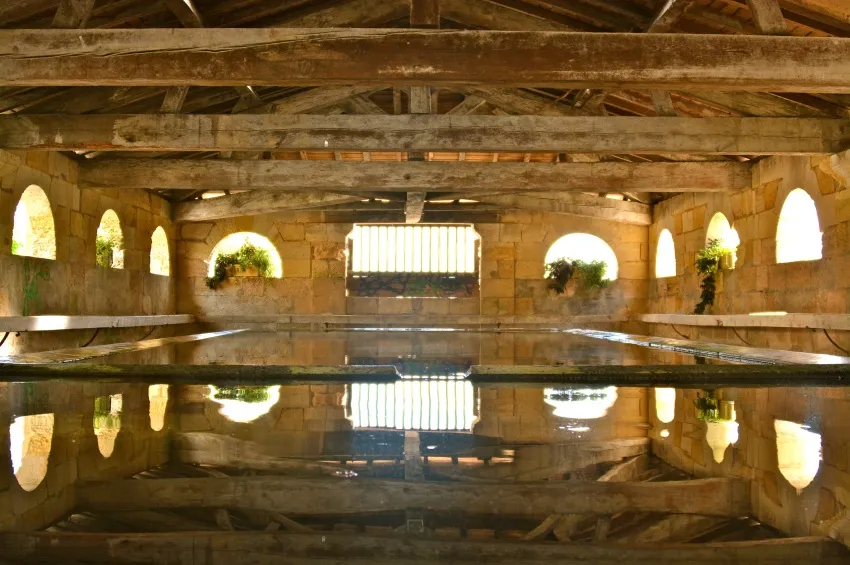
(413, 249)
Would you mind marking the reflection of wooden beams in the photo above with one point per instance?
(243, 548)
(193, 174)
(399, 57)
(628, 470)
(716, 497)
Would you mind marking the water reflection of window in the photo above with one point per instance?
(665, 404)
(798, 452)
(245, 404)
(107, 422)
(30, 441)
(581, 403)
(719, 436)
(439, 403)
(158, 401)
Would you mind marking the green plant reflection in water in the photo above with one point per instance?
(107, 422)
(246, 403)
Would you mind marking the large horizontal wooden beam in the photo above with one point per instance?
(388, 57)
(422, 132)
(254, 202)
(260, 548)
(575, 204)
(346, 176)
(298, 497)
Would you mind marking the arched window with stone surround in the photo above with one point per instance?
(160, 257)
(584, 247)
(720, 229)
(110, 242)
(30, 440)
(798, 235)
(665, 256)
(33, 231)
(233, 242)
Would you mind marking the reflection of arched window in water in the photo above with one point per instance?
(665, 404)
(30, 439)
(245, 403)
(158, 401)
(107, 422)
(580, 403)
(719, 436)
(798, 452)
(439, 403)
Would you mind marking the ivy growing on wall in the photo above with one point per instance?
(707, 265)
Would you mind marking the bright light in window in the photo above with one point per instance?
(160, 256)
(157, 401)
(798, 235)
(413, 249)
(584, 247)
(719, 436)
(107, 422)
(110, 241)
(720, 229)
(245, 404)
(665, 256)
(580, 404)
(665, 404)
(235, 241)
(798, 452)
(33, 232)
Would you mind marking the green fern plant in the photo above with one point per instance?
(247, 256)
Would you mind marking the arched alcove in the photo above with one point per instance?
(720, 229)
(798, 235)
(233, 242)
(665, 404)
(30, 440)
(584, 247)
(160, 257)
(665, 256)
(245, 404)
(110, 242)
(107, 422)
(580, 403)
(33, 231)
(158, 401)
(798, 452)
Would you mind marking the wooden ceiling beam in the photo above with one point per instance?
(767, 16)
(382, 132)
(254, 202)
(575, 204)
(192, 174)
(488, 15)
(186, 12)
(390, 57)
(72, 14)
(668, 15)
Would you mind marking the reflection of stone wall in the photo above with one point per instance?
(754, 455)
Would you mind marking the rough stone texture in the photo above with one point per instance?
(758, 283)
(73, 284)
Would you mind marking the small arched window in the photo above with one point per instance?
(584, 247)
(798, 235)
(33, 232)
(233, 242)
(720, 229)
(665, 256)
(160, 257)
(798, 452)
(107, 422)
(30, 440)
(158, 402)
(110, 242)
(665, 404)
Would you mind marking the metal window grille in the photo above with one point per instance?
(413, 249)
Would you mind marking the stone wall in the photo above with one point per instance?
(313, 255)
(73, 284)
(758, 283)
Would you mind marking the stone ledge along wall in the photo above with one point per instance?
(312, 249)
(758, 283)
(73, 284)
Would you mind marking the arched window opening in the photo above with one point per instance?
(798, 235)
(160, 257)
(233, 242)
(245, 404)
(665, 404)
(798, 452)
(33, 231)
(584, 247)
(580, 403)
(107, 422)
(158, 401)
(665, 256)
(30, 438)
(720, 229)
(719, 436)
(110, 242)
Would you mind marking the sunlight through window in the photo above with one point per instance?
(665, 256)
(665, 404)
(584, 247)
(798, 452)
(413, 249)
(110, 242)
(720, 229)
(30, 439)
(580, 403)
(245, 404)
(798, 235)
(233, 242)
(33, 231)
(160, 257)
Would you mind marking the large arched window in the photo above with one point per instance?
(798, 235)
(233, 242)
(720, 229)
(584, 247)
(665, 256)
(160, 258)
(245, 404)
(30, 439)
(798, 452)
(107, 422)
(110, 242)
(33, 232)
